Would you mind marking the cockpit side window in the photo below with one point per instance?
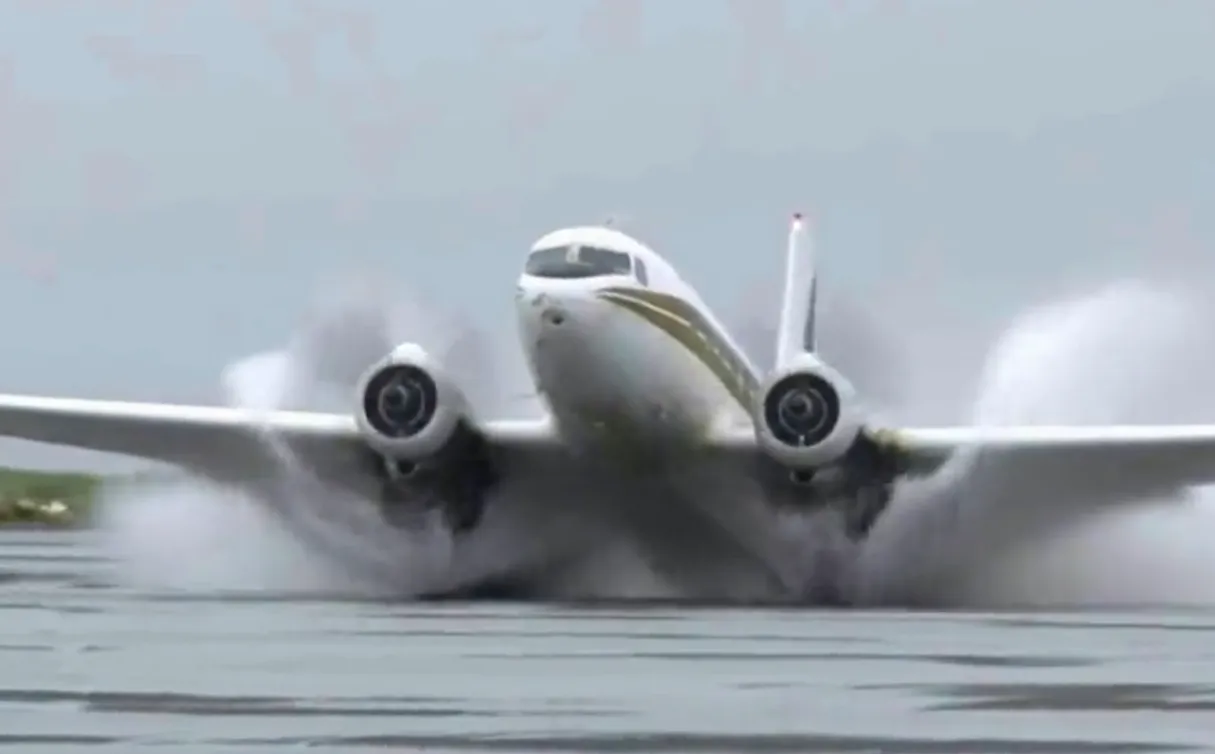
(639, 269)
(578, 262)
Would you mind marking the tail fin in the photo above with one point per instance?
(796, 334)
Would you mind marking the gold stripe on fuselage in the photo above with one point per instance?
(687, 326)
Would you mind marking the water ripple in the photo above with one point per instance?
(91, 663)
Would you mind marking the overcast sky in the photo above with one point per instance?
(179, 178)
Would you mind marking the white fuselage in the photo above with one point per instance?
(622, 369)
(636, 373)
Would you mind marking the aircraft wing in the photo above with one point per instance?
(1154, 456)
(227, 445)
(1123, 459)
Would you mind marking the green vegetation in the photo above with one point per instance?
(48, 498)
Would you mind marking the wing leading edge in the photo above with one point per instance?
(226, 443)
(1155, 456)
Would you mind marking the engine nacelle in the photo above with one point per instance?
(807, 417)
(409, 408)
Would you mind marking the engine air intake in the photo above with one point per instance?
(400, 400)
(802, 409)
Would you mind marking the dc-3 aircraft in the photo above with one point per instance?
(641, 382)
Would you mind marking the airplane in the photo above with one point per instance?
(641, 383)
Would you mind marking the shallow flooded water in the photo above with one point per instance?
(91, 664)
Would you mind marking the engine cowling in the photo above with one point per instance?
(409, 408)
(807, 417)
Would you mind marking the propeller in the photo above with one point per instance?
(356, 325)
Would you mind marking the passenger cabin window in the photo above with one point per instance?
(578, 262)
(642, 276)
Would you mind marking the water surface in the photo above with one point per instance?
(90, 664)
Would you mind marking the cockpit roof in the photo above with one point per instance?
(596, 236)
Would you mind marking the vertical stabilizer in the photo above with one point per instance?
(796, 333)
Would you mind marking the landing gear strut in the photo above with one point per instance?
(859, 487)
(871, 471)
(457, 483)
(400, 511)
(406, 501)
(863, 508)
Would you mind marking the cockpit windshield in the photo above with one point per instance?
(578, 262)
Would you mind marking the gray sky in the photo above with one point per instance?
(177, 183)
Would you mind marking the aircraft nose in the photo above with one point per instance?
(563, 338)
(552, 311)
(549, 311)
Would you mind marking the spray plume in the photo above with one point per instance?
(982, 533)
(301, 535)
(990, 532)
